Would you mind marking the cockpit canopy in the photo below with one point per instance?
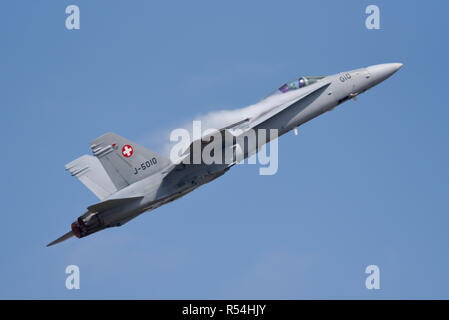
(296, 84)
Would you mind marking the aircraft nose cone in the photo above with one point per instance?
(380, 72)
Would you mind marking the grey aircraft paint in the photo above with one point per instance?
(129, 179)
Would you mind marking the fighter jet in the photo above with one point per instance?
(129, 179)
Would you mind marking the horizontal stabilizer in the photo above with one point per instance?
(109, 204)
(91, 173)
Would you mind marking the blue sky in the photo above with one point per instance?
(364, 184)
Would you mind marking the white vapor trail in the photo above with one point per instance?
(223, 118)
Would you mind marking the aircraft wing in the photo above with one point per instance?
(206, 139)
(236, 129)
(240, 128)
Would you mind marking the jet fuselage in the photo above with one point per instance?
(177, 180)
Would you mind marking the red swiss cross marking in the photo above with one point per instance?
(127, 151)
